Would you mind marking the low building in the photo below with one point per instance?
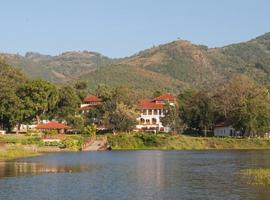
(152, 110)
(225, 129)
(90, 102)
(60, 128)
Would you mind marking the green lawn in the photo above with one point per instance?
(182, 142)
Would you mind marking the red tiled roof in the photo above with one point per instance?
(165, 97)
(52, 125)
(149, 104)
(92, 98)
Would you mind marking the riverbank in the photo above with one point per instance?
(136, 141)
(16, 146)
(9, 152)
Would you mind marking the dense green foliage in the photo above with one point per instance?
(118, 111)
(10, 104)
(38, 97)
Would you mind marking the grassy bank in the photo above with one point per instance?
(14, 146)
(182, 142)
(258, 176)
(16, 151)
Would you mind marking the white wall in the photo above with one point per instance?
(223, 131)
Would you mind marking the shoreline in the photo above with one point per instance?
(143, 142)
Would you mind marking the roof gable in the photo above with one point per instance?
(92, 98)
(52, 125)
(165, 97)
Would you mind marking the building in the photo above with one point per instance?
(151, 112)
(225, 129)
(59, 127)
(90, 102)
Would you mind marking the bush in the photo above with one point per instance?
(90, 130)
(52, 132)
(71, 143)
(52, 144)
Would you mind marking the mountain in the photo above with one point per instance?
(168, 67)
(64, 67)
(181, 64)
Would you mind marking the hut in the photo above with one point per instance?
(61, 128)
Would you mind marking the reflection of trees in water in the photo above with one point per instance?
(26, 168)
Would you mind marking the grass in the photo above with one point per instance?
(20, 139)
(15, 151)
(258, 176)
(182, 142)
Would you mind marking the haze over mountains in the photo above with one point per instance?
(171, 67)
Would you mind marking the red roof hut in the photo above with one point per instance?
(53, 126)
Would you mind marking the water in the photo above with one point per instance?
(133, 175)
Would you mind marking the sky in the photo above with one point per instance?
(119, 28)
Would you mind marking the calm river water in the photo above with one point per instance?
(133, 175)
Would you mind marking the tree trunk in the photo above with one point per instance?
(205, 132)
(38, 119)
(18, 128)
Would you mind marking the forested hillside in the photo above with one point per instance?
(169, 67)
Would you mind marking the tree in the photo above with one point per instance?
(172, 118)
(10, 109)
(81, 89)
(38, 97)
(104, 92)
(123, 118)
(246, 103)
(197, 110)
(67, 105)
(10, 104)
(157, 93)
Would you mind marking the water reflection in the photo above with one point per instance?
(134, 175)
(8, 169)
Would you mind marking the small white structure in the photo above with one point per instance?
(225, 129)
(2, 132)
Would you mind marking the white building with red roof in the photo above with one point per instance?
(90, 102)
(151, 112)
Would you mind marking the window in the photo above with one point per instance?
(142, 120)
(154, 121)
(155, 112)
(149, 112)
(148, 121)
(144, 112)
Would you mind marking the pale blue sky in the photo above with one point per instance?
(118, 28)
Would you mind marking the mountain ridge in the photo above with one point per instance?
(171, 66)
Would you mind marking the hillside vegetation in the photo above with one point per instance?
(64, 67)
(169, 67)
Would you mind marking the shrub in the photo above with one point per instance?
(71, 143)
(90, 130)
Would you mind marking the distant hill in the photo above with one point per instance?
(171, 67)
(64, 67)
